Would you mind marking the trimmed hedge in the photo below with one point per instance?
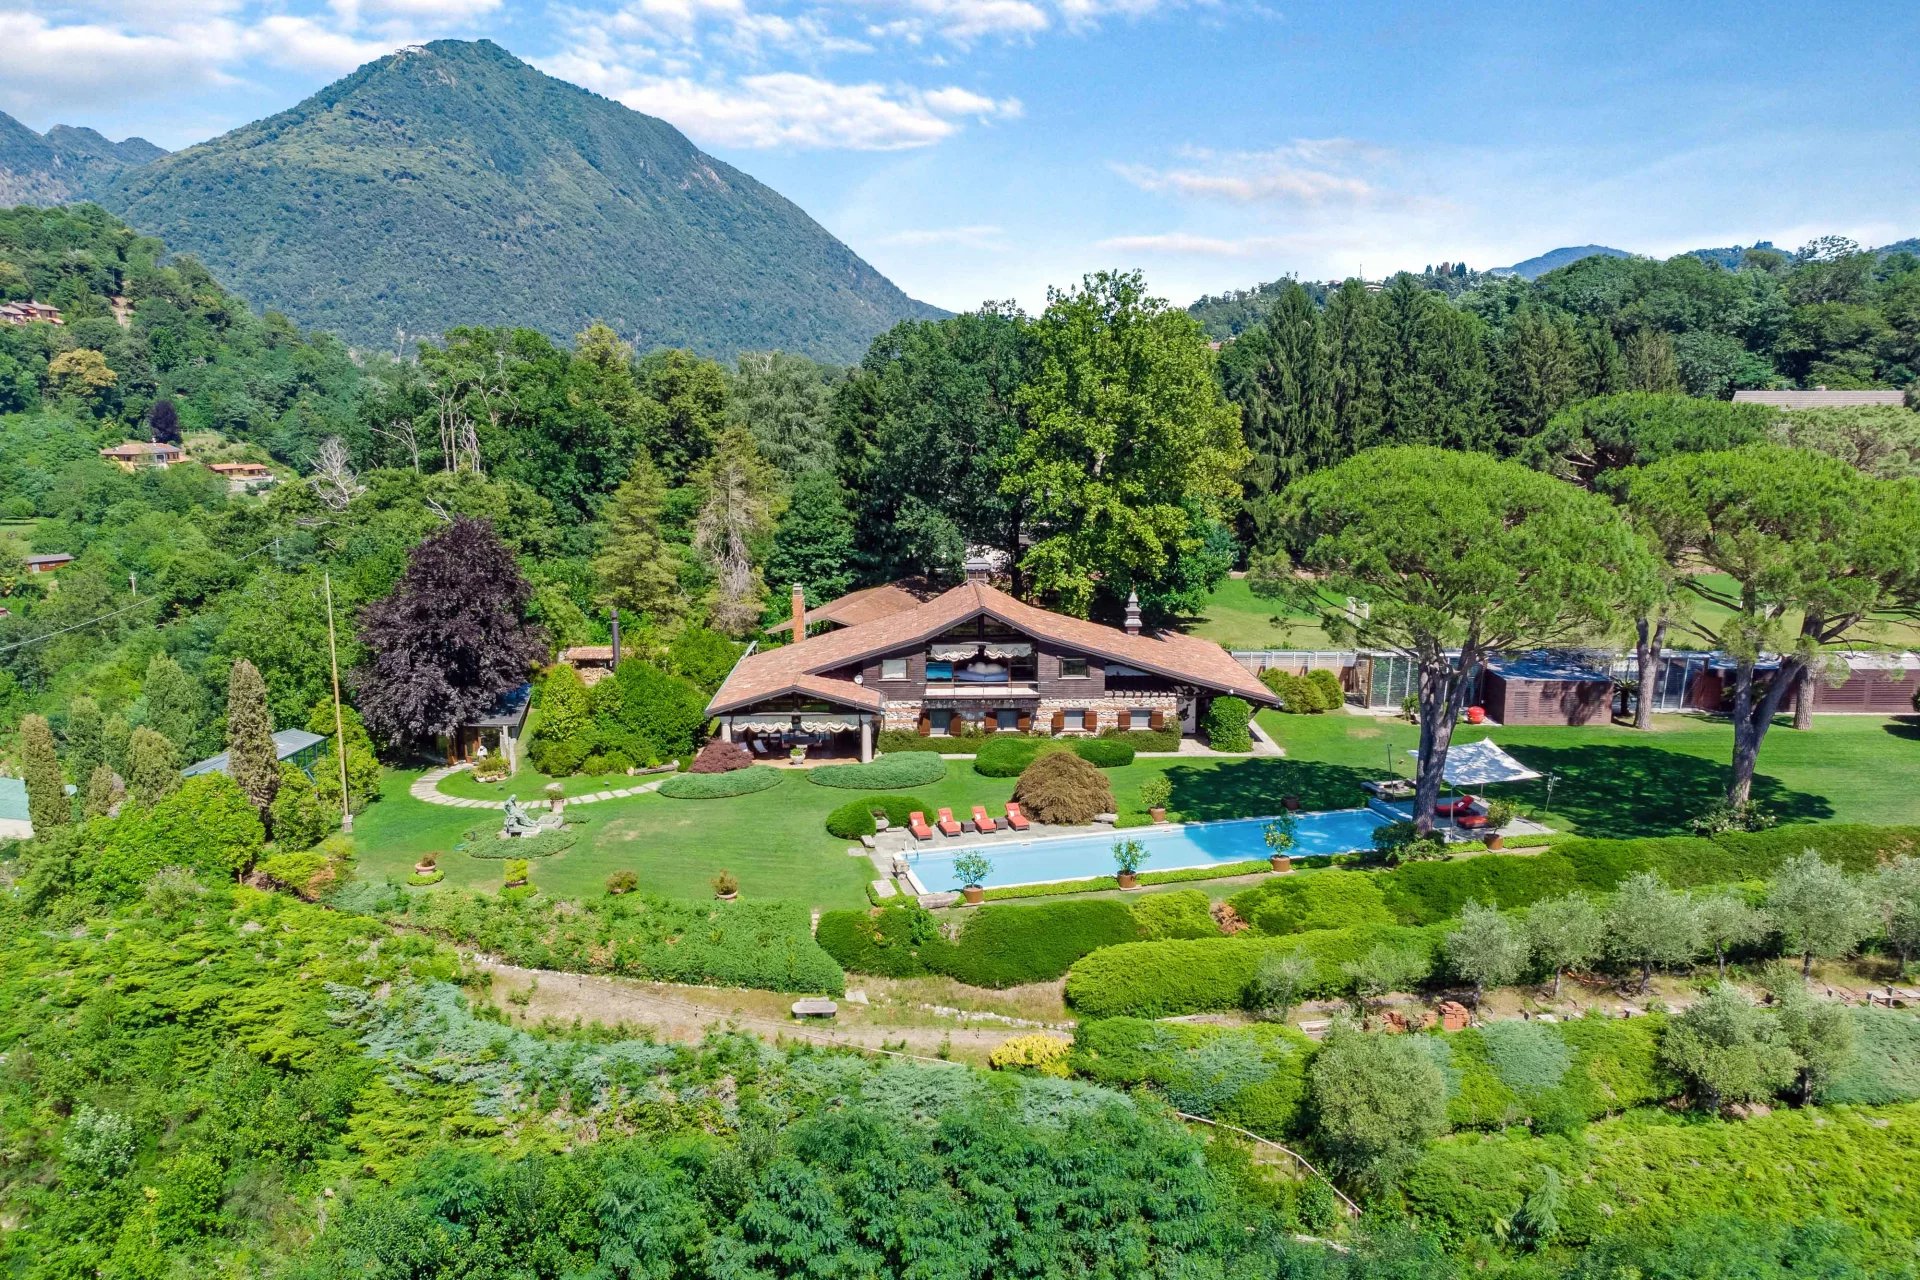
(854, 819)
(895, 741)
(907, 769)
(1007, 755)
(1184, 913)
(997, 946)
(1167, 739)
(1164, 979)
(1226, 725)
(1323, 900)
(719, 786)
(1182, 875)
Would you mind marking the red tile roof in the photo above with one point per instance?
(798, 668)
(868, 604)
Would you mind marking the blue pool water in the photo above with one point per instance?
(1034, 859)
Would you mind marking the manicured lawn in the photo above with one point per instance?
(1611, 780)
(1238, 619)
(530, 784)
(1607, 781)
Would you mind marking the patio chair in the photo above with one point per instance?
(1455, 807)
(944, 820)
(917, 825)
(759, 747)
(1016, 820)
(981, 822)
(1470, 821)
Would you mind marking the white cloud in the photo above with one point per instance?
(1310, 172)
(306, 45)
(983, 236)
(1185, 243)
(796, 110)
(44, 67)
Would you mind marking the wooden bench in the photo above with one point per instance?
(815, 1008)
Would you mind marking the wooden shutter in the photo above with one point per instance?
(1091, 722)
(1126, 720)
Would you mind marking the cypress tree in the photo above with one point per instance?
(47, 803)
(252, 760)
(86, 737)
(174, 703)
(102, 792)
(115, 736)
(636, 568)
(153, 766)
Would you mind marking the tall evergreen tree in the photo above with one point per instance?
(103, 792)
(1603, 369)
(153, 767)
(740, 502)
(252, 759)
(786, 401)
(1352, 377)
(86, 737)
(1434, 371)
(176, 706)
(47, 803)
(637, 569)
(1272, 372)
(1650, 362)
(813, 544)
(1542, 370)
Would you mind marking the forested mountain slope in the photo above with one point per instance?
(452, 184)
(60, 164)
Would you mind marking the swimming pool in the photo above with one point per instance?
(1035, 859)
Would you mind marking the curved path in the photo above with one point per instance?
(426, 789)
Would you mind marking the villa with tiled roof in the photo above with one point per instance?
(970, 659)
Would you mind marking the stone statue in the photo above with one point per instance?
(519, 822)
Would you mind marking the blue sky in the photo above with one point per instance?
(986, 149)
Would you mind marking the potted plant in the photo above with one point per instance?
(1279, 835)
(515, 872)
(622, 882)
(427, 864)
(973, 870)
(798, 755)
(1128, 855)
(1154, 794)
(1290, 803)
(556, 796)
(1499, 814)
(726, 886)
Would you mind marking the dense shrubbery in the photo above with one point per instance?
(1315, 900)
(746, 944)
(642, 717)
(1007, 755)
(1319, 690)
(1226, 725)
(719, 786)
(1254, 1077)
(1061, 788)
(908, 769)
(996, 947)
(1167, 739)
(720, 756)
(894, 741)
(1183, 913)
(854, 819)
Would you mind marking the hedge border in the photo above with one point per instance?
(740, 782)
(1180, 875)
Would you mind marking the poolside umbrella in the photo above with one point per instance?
(1476, 764)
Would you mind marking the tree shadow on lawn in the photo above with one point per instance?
(1640, 789)
(1253, 788)
(1907, 727)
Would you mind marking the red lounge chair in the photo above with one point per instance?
(1471, 821)
(981, 822)
(948, 827)
(1454, 808)
(1016, 819)
(917, 824)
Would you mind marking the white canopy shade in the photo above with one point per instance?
(1476, 764)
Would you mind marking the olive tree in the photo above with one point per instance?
(1448, 558)
(1565, 933)
(1895, 891)
(1649, 924)
(1374, 1100)
(1487, 949)
(1729, 1049)
(1818, 908)
(1727, 919)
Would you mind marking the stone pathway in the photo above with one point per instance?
(426, 789)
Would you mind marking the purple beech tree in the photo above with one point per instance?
(449, 639)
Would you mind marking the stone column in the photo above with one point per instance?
(866, 739)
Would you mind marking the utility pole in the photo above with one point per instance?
(339, 723)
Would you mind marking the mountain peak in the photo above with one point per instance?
(58, 165)
(452, 183)
(1554, 259)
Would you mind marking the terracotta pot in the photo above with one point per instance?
(974, 895)
(557, 804)
(1280, 862)
(1496, 841)
(517, 884)
(1291, 802)
(425, 868)
(727, 897)
(1128, 880)
(1157, 814)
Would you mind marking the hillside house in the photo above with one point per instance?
(47, 562)
(1821, 398)
(970, 659)
(138, 455)
(243, 477)
(29, 313)
(497, 732)
(593, 662)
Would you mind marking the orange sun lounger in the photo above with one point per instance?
(981, 822)
(948, 827)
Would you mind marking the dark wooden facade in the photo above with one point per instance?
(1517, 700)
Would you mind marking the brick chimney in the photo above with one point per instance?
(1133, 613)
(799, 612)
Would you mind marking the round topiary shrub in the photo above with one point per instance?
(1005, 755)
(1103, 753)
(720, 756)
(1037, 1052)
(854, 819)
(1060, 787)
(1227, 726)
(1327, 684)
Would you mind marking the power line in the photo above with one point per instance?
(20, 644)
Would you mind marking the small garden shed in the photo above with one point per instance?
(1547, 688)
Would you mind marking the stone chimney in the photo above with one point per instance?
(1133, 613)
(979, 569)
(799, 612)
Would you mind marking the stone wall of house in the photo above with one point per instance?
(904, 715)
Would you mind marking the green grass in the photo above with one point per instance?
(1607, 781)
(1238, 619)
(530, 784)
(1612, 780)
